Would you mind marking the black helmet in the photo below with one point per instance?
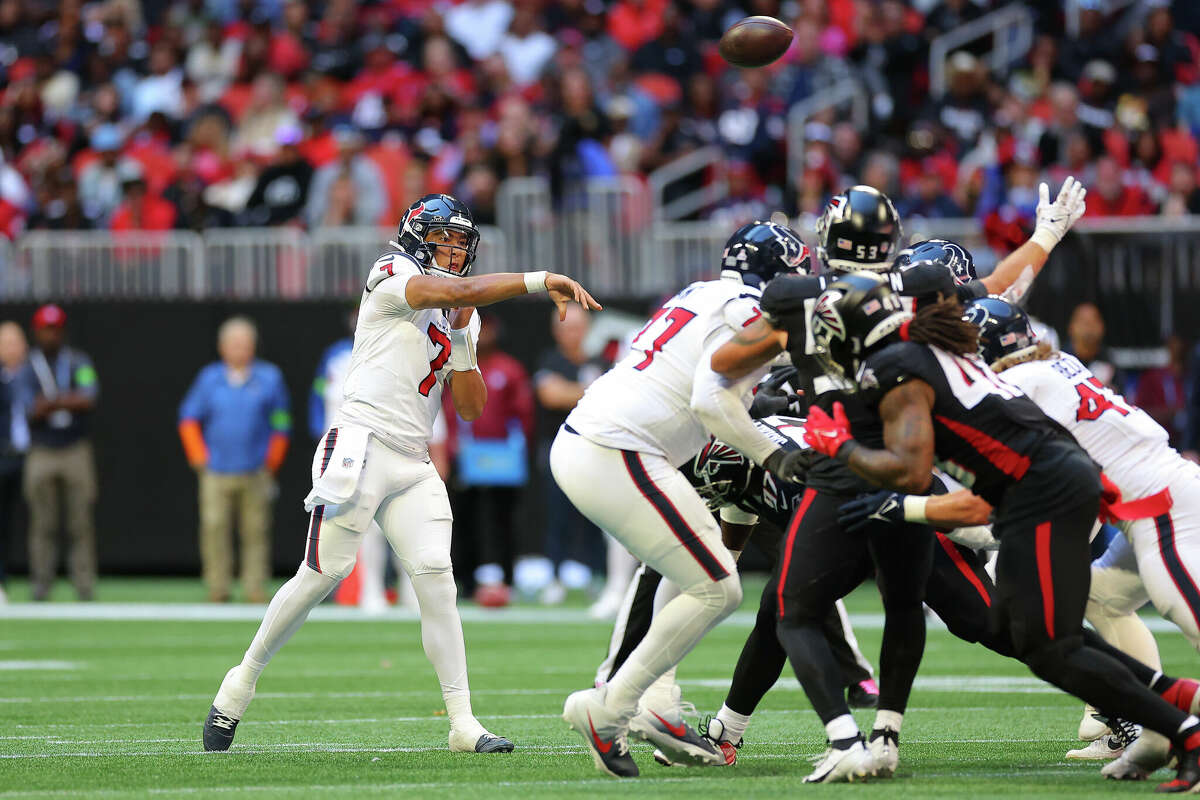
(951, 255)
(723, 473)
(858, 230)
(857, 314)
(759, 251)
(435, 212)
(1004, 329)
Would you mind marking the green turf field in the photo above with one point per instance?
(113, 708)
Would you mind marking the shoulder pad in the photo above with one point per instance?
(787, 293)
(886, 369)
(396, 262)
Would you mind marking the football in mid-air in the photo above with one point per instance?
(755, 42)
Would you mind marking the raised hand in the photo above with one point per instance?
(563, 290)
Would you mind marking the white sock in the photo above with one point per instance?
(734, 723)
(888, 720)
(674, 631)
(1187, 723)
(843, 727)
(286, 613)
(442, 638)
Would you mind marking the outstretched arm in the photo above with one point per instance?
(749, 349)
(427, 291)
(1053, 222)
(906, 462)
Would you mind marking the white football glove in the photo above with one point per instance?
(1055, 219)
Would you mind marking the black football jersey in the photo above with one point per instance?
(985, 430)
(788, 301)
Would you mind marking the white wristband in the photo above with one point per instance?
(1045, 238)
(914, 508)
(462, 351)
(535, 282)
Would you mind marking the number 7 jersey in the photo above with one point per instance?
(644, 403)
(398, 364)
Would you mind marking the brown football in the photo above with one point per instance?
(755, 42)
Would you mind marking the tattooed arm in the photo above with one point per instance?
(906, 463)
(749, 349)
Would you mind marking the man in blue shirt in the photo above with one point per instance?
(234, 423)
(61, 384)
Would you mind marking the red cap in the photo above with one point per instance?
(49, 316)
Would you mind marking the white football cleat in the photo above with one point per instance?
(660, 722)
(884, 746)
(1105, 748)
(850, 764)
(1150, 752)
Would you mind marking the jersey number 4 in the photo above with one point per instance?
(439, 361)
(675, 318)
(1094, 399)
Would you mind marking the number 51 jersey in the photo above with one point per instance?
(398, 364)
(644, 403)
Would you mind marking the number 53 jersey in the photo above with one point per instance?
(644, 403)
(398, 364)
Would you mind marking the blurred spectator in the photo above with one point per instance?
(100, 181)
(266, 115)
(526, 48)
(60, 470)
(140, 209)
(162, 89)
(234, 424)
(281, 191)
(633, 23)
(562, 376)
(212, 62)
(964, 109)
(1162, 391)
(1085, 341)
(492, 457)
(1183, 196)
(14, 433)
(479, 26)
(809, 70)
(673, 52)
(1096, 40)
(350, 188)
(1111, 197)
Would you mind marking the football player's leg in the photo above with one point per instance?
(818, 566)
(1168, 560)
(633, 620)
(1042, 579)
(329, 557)
(961, 592)
(858, 675)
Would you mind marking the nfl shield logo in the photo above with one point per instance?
(347, 462)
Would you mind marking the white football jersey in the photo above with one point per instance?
(1124, 440)
(398, 365)
(644, 402)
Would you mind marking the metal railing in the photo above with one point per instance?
(1011, 29)
(714, 188)
(1144, 272)
(845, 92)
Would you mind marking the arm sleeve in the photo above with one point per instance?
(281, 408)
(195, 402)
(718, 403)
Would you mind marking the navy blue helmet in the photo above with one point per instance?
(442, 215)
(761, 250)
(1004, 329)
(951, 255)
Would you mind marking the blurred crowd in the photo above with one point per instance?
(189, 114)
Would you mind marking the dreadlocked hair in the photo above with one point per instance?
(941, 325)
(1039, 352)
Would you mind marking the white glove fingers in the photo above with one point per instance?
(1043, 195)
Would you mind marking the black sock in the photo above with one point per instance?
(900, 655)
(758, 666)
(815, 667)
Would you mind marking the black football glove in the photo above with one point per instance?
(789, 465)
(882, 506)
(771, 398)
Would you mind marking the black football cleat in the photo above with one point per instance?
(490, 743)
(218, 730)
(864, 694)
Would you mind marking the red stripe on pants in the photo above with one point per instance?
(805, 502)
(964, 568)
(1045, 577)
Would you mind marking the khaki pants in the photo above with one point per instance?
(248, 496)
(55, 478)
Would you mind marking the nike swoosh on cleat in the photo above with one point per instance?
(679, 730)
(601, 745)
